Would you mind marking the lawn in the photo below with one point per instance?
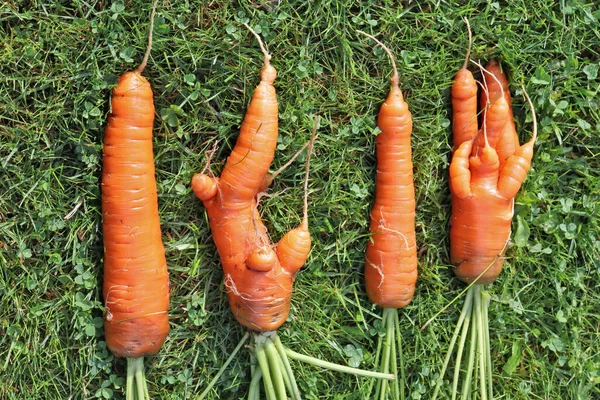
(58, 62)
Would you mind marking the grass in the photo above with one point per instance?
(59, 60)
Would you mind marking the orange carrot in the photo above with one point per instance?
(258, 275)
(486, 173)
(496, 82)
(136, 282)
(464, 101)
(391, 260)
(482, 209)
(391, 257)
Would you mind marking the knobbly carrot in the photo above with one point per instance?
(258, 275)
(136, 281)
(391, 258)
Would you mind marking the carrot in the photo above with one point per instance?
(464, 101)
(136, 281)
(486, 173)
(391, 257)
(497, 85)
(258, 275)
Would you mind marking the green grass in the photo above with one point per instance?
(58, 61)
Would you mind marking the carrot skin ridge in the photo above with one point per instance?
(136, 283)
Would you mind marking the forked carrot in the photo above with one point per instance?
(485, 176)
(136, 281)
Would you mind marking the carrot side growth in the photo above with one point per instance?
(136, 281)
(258, 275)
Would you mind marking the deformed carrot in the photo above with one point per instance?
(486, 173)
(258, 276)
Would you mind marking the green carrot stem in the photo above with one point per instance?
(481, 342)
(401, 357)
(136, 387)
(130, 375)
(254, 391)
(139, 379)
(387, 351)
(461, 345)
(463, 314)
(336, 367)
(486, 330)
(146, 393)
(393, 354)
(224, 367)
(286, 363)
(264, 367)
(275, 368)
(284, 374)
(466, 389)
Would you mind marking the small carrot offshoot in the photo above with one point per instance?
(136, 281)
(486, 173)
(258, 274)
(391, 258)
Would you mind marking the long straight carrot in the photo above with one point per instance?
(136, 282)
(391, 257)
